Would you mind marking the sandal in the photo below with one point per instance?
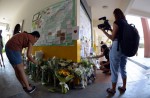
(110, 91)
(121, 89)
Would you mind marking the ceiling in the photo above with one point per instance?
(102, 8)
(10, 8)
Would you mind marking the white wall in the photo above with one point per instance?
(28, 10)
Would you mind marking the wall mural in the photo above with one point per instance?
(56, 24)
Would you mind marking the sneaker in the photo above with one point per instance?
(32, 90)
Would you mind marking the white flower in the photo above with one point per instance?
(44, 67)
(62, 64)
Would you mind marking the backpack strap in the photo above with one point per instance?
(118, 46)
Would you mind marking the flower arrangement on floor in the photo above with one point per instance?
(64, 76)
(62, 72)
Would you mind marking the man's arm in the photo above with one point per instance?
(29, 50)
(105, 64)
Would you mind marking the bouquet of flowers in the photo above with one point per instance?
(64, 76)
(53, 66)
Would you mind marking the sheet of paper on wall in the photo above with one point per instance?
(92, 50)
(63, 30)
(75, 33)
(57, 41)
(82, 54)
(69, 22)
(69, 25)
(49, 43)
(69, 30)
(48, 39)
(81, 34)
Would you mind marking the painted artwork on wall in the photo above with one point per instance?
(56, 24)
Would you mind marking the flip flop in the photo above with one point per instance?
(121, 89)
(110, 91)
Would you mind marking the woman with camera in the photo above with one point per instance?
(117, 58)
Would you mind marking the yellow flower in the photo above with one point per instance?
(63, 72)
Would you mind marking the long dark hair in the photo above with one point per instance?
(0, 33)
(35, 34)
(119, 14)
(17, 29)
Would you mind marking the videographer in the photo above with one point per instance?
(117, 58)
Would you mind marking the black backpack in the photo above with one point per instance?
(129, 39)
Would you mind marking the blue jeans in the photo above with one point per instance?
(14, 57)
(117, 60)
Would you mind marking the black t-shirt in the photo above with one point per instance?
(106, 54)
(120, 24)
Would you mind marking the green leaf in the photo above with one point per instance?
(52, 90)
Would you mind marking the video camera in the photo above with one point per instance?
(106, 26)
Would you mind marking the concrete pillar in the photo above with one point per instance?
(146, 31)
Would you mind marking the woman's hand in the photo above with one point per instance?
(102, 30)
(36, 62)
(89, 57)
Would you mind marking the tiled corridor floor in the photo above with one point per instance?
(137, 86)
(145, 62)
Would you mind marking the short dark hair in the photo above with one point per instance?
(35, 33)
(1, 34)
(104, 46)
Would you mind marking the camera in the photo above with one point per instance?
(106, 26)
